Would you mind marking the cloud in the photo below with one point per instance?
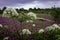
(29, 3)
(37, 4)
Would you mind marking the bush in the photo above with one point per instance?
(56, 13)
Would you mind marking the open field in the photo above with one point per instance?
(25, 25)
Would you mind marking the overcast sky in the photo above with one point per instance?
(30, 3)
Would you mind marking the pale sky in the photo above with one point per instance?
(30, 3)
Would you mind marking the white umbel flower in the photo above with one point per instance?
(10, 12)
(33, 25)
(41, 31)
(1, 25)
(6, 38)
(27, 21)
(49, 28)
(32, 15)
(26, 31)
(53, 27)
(56, 26)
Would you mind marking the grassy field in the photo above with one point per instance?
(37, 26)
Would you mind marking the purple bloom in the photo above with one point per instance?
(13, 38)
(10, 23)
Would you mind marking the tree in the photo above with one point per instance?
(4, 8)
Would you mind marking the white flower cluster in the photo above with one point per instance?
(6, 38)
(1, 25)
(29, 21)
(33, 25)
(41, 31)
(49, 28)
(53, 27)
(26, 31)
(10, 12)
(32, 15)
(56, 26)
(5, 26)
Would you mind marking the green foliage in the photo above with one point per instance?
(22, 17)
(56, 13)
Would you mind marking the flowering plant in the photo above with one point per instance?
(10, 12)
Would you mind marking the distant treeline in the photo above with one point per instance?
(35, 10)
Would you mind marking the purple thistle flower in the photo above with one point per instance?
(10, 23)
